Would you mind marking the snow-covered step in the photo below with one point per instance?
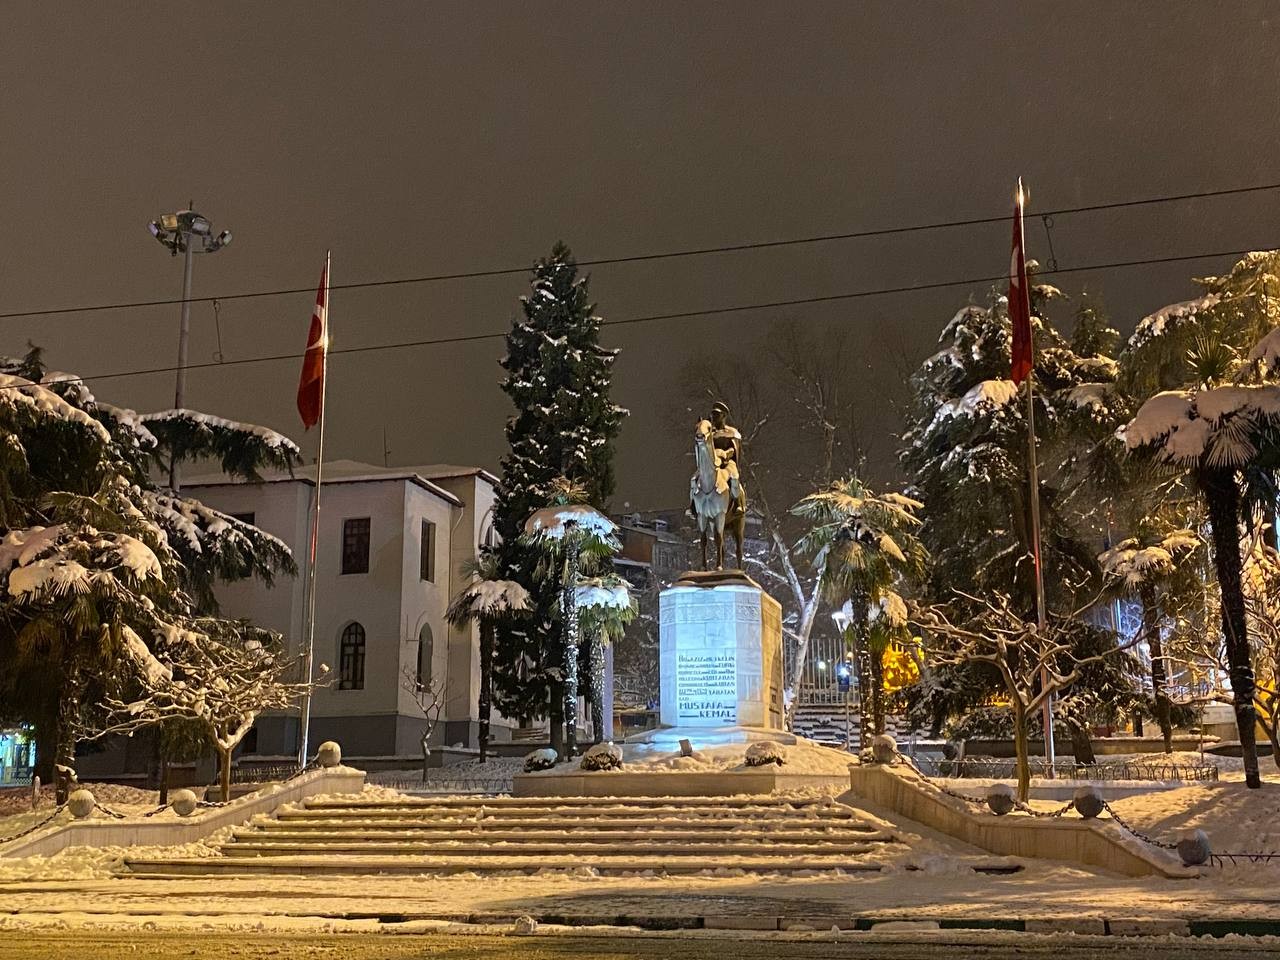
(373, 865)
(672, 833)
(581, 819)
(568, 803)
(546, 848)
(446, 835)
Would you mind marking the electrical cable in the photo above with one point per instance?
(643, 257)
(682, 315)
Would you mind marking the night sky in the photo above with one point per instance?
(425, 138)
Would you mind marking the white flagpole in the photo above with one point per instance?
(1033, 471)
(309, 627)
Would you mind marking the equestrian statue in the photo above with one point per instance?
(716, 497)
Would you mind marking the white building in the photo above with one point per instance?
(392, 548)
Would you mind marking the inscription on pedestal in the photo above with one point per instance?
(707, 687)
(721, 656)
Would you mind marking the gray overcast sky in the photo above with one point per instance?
(419, 138)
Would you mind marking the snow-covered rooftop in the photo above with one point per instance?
(355, 471)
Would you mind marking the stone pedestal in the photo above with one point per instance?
(721, 653)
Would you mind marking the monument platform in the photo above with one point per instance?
(720, 653)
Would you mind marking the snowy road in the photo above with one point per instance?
(55, 946)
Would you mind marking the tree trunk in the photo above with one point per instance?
(1021, 749)
(875, 659)
(425, 743)
(866, 680)
(809, 613)
(569, 639)
(1159, 683)
(64, 756)
(1222, 497)
(485, 706)
(224, 779)
(596, 661)
(1081, 745)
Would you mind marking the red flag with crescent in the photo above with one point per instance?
(1019, 300)
(311, 383)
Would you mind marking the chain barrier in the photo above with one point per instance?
(34, 827)
(1043, 814)
(1124, 825)
(114, 814)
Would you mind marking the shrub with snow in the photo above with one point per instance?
(765, 752)
(603, 756)
(543, 759)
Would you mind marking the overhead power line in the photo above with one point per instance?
(643, 257)
(681, 315)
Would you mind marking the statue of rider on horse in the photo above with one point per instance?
(717, 499)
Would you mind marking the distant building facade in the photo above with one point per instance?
(393, 546)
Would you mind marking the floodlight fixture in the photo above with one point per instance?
(188, 233)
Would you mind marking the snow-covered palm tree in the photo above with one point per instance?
(486, 601)
(1218, 433)
(605, 607)
(864, 544)
(568, 531)
(1144, 565)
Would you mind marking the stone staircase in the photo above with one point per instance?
(441, 835)
(824, 723)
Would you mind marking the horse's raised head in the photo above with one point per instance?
(702, 431)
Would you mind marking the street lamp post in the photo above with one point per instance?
(188, 233)
(843, 619)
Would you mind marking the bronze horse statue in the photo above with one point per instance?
(717, 496)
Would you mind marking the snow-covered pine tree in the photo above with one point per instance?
(965, 456)
(558, 379)
(94, 557)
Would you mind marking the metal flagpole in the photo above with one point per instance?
(309, 630)
(1033, 472)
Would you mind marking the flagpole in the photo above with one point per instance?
(309, 627)
(1033, 472)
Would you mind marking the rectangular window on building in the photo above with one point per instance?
(355, 545)
(427, 556)
(244, 517)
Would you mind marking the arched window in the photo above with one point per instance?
(351, 658)
(426, 648)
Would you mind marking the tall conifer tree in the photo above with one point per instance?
(564, 425)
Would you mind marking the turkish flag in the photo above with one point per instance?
(1019, 300)
(311, 383)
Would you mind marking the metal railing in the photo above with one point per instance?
(442, 786)
(1006, 769)
(263, 772)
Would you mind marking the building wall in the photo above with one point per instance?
(391, 602)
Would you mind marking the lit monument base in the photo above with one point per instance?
(720, 657)
(667, 739)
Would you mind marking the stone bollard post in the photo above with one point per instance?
(329, 754)
(1087, 801)
(81, 803)
(1000, 799)
(884, 749)
(183, 802)
(1194, 848)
